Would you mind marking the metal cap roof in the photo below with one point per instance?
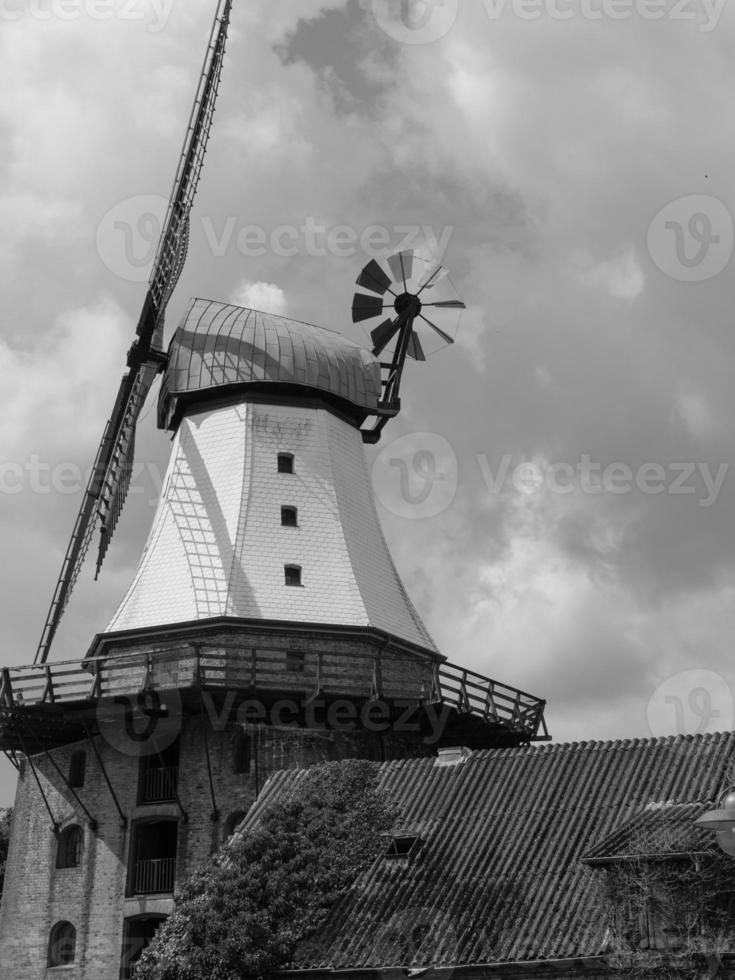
(221, 346)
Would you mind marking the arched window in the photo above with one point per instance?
(292, 574)
(71, 842)
(77, 769)
(232, 823)
(62, 944)
(240, 753)
(285, 462)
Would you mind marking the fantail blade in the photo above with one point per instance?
(401, 265)
(444, 336)
(364, 307)
(414, 349)
(373, 278)
(383, 334)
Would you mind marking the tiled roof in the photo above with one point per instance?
(221, 346)
(499, 875)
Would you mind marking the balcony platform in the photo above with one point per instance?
(46, 706)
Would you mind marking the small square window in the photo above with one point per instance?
(295, 661)
(289, 517)
(403, 847)
(285, 462)
(293, 574)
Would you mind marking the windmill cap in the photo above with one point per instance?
(220, 348)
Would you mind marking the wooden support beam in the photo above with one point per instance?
(48, 691)
(54, 824)
(6, 689)
(95, 690)
(215, 811)
(90, 819)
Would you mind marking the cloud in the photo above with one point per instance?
(264, 296)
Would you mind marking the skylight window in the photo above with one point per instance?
(405, 846)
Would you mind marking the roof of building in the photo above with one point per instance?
(222, 346)
(660, 828)
(499, 874)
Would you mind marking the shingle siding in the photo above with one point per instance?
(217, 547)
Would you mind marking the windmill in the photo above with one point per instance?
(411, 286)
(109, 481)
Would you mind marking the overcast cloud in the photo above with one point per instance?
(577, 536)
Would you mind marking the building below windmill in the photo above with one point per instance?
(266, 628)
(579, 860)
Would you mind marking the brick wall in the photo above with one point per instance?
(93, 896)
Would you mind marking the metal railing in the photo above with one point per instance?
(230, 666)
(159, 784)
(154, 877)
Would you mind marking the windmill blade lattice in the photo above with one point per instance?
(109, 482)
(408, 287)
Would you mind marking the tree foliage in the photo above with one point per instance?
(6, 817)
(273, 886)
(669, 914)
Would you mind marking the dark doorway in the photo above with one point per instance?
(153, 858)
(137, 934)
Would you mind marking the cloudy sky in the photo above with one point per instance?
(572, 163)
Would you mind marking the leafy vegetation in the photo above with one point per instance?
(669, 914)
(5, 819)
(273, 887)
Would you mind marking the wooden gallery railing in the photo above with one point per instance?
(232, 667)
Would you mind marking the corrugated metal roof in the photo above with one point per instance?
(499, 876)
(217, 345)
(658, 827)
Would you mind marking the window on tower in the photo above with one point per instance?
(62, 944)
(158, 775)
(138, 932)
(293, 574)
(295, 661)
(77, 769)
(153, 849)
(289, 517)
(285, 462)
(241, 751)
(69, 851)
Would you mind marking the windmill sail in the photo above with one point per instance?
(109, 482)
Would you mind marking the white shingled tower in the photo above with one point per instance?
(267, 511)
